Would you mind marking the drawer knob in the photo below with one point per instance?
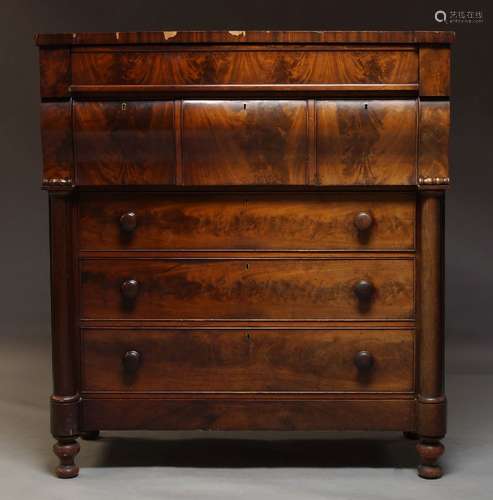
(363, 221)
(130, 289)
(131, 361)
(363, 360)
(364, 290)
(128, 222)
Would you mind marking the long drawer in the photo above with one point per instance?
(247, 288)
(247, 360)
(252, 65)
(289, 221)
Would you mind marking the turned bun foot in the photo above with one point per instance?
(430, 450)
(413, 436)
(89, 435)
(66, 449)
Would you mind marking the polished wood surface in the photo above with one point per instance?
(366, 142)
(124, 142)
(254, 65)
(244, 142)
(57, 145)
(247, 231)
(252, 360)
(239, 37)
(248, 288)
(433, 147)
(216, 221)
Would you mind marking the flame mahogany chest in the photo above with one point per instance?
(246, 232)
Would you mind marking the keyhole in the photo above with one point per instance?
(247, 267)
(244, 106)
(124, 106)
(366, 105)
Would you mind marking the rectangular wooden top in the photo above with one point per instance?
(233, 37)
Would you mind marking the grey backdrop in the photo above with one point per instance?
(24, 290)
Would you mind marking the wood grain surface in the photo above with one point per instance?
(124, 143)
(366, 142)
(251, 360)
(244, 142)
(316, 221)
(247, 288)
(254, 65)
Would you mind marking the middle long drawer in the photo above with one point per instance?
(369, 287)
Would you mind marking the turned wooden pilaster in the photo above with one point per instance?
(431, 402)
(65, 399)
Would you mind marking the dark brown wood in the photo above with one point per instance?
(256, 221)
(66, 449)
(245, 89)
(247, 231)
(363, 221)
(239, 37)
(248, 66)
(366, 142)
(242, 288)
(251, 360)
(434, 125)
(434, 71)
(430, 317)
(430, 451)
(124, 143)
(90, 435)
(55, 72)
(248, 414)
(244, 142)
(57, 144)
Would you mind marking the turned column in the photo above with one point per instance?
(431, 403)
(65, 399)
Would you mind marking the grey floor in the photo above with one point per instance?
(184, 466)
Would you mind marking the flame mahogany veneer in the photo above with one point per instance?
(246, 232)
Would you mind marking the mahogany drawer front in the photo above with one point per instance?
(244, 142)
(242, 288)
(291, 221)
(244, 66)
(247, 360)
(124, 142)
(366, 142)
(249, 142)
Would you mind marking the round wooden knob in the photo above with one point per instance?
(128, 222)
(130, 289)
(363, 360)
(131, 361)
(363, 221)
(364, 290)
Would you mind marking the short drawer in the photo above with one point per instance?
(248, 142)
(366, 142)
(247, 360)
(242, 288)
(293, 221)
(124, 143)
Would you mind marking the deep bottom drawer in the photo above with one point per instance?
(248, 360)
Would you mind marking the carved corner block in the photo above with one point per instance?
(433, 146)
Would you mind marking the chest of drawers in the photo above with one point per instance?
(246, 232)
